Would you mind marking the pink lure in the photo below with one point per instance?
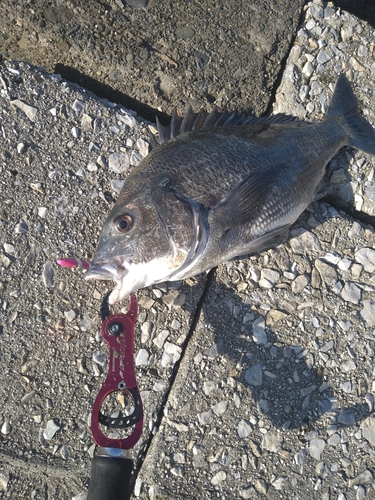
(73, 263)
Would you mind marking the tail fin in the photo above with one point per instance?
(344, 107)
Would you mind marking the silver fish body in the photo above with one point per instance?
(217, 191)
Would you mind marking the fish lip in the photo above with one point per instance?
(115, 270)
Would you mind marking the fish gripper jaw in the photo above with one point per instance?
(118, 332)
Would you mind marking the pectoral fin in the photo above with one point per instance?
(246, 201)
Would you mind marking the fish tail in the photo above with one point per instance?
(344, 108)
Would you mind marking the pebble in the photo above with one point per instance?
(76, 132)
(102, 162)
(254, 375)
(220, 408)
(21, 147)
(64, 452)
(29, 111)
(316, 448)
(346, 417)
(21, 227)
(142, 147)
(302, 241)
(6, 428)
(366, 257)
(367, 312)
(50, 430)
(244, 429)
(300, 457)
(219, 478)
(259, 331)
(351, 293)
(78, 105)
(268, 278)
(272, 442)
(300, 283)
(118, 163)
(142, 357)
(42, 212)
(99, 358)
(70, 315)
(185, 32)
(48, 274)
(160, 339)
(368, 429)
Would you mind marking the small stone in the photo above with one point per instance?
(48, 274)
(279, 483)
(142, 357)
(323, 57)
(301, 456)
(247, 493)
(86, 123)
(205, 417)
(300, 283)
(102, 162)
(185, 32)
(70, 315)
(160, 339)
(351, 293)
(272, 442)
(368, 429)
(346, 417)
(42, 212)
(259, 331)
(21, 147)
(316, 448)
(78, 105)
(254, 375)
(6, 428)
(303, 241)
(327, 272)
(308, 69)
(367, 313)
(219, 478)
(118, 163)
(142, 147)
(21, 227)
(220, 408)
(244, 429)
(117, 185)
(92, 167)
(366, 257)
(99, 358)
(64, 452)
(76, 132)
(268, 278)
(364, 477)
(4, 480)
(29, 111)
(348, 365)
(178, 471)
(347, 191)
(50, 430)
(209, 386)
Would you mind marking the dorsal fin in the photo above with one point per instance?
(202, 119)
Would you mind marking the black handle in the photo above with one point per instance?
(110, 478)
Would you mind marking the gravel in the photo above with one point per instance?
(271, 392)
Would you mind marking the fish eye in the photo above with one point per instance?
(124, 223)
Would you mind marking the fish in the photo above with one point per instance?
(220, 186)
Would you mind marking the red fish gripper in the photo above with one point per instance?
(118, 332)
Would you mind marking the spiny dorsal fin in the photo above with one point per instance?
(203, 119)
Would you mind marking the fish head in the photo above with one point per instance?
(149, 236)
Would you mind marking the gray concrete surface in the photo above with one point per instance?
(271, 394)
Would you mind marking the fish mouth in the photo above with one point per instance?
(115, 271)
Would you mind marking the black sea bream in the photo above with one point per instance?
(220, 186)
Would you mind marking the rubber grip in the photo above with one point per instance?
(110, 478)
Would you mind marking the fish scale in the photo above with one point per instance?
(220, 186)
